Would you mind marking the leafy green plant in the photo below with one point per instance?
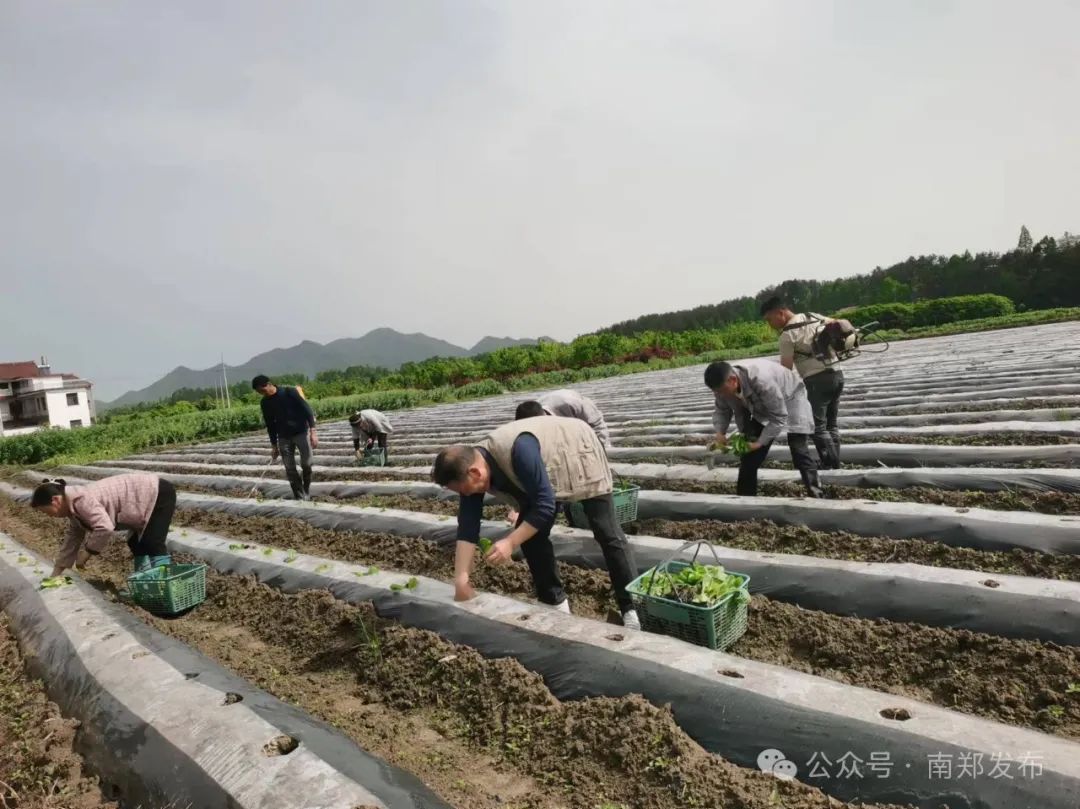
(704, 585)
(411, 584)
(1073, 688)
(485, 545)
(268, 551)
(738, 444)
(291, 556)
(322, 568)
(54, 582)
(234, 546)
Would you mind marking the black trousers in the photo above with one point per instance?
(539, 554)
(824, 390)
(152, 540)
(379, 437)
(748, 467)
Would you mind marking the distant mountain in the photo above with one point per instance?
(382, 347)
(489, 344)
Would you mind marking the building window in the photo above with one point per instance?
(73, 399)
(76, 422)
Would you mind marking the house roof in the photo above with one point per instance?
(18, 370)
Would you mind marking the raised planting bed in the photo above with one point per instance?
(482, 732)
(39, 765)
(165, 726)
(978, 673)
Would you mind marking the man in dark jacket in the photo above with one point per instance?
(290, 423)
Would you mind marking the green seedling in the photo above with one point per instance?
(22, 560)
(412, 583)
(235, 547)
(704, 585)
(267, 551)
(1073, 688)
(397, 587)
(54, 582)
(322, 568)
(291, 556)
(738, 444)
(1055, 711)
(485, 545)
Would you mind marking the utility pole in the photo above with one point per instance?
(225, 384)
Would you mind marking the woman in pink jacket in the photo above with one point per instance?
(142, 504)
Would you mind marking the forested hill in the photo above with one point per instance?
(1041, 275)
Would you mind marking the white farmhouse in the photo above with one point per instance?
(33, 397)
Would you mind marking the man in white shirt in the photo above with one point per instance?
(824, 383)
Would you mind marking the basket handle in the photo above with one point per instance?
(678, 551)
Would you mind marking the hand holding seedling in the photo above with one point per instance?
(500, 552)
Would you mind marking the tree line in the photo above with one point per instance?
(1036, 275)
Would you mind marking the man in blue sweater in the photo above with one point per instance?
(290, 422)
(534, 462)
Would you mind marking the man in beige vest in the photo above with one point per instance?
(535, 462)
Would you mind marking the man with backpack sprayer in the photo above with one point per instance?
(290, 423)
(369, 426)
(801, 348)
(533, 462)
(765, 399)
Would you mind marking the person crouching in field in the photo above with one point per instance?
(572, 405)
(534, 462)
(369, 427)
(140, 503)
(765, 399)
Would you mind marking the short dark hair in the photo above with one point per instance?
(772, 303)
(46, 491)
(261, 381)
(717, 374)
(452, 464)
(529, 410)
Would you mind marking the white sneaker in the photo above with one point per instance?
(630, 620)
(563, 606)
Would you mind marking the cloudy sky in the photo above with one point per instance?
(181, 180)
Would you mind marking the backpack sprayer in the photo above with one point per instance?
(837, 340)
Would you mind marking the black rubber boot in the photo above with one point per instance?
(307, 481)
(827, 451)
(812, 483)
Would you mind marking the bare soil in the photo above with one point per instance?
(39, 768)
(1019, 500)
(1016, 681)
(768, 537)
(483, 733)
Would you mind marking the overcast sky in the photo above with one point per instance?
(180, 180)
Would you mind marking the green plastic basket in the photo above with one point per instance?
(376, 456)
(625, 498)
(182, 587)
(717, 626)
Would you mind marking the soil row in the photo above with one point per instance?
(480, 732)
(1016, 681)
(1021, 682)
(1017, 500)
(768, 537)
(975, 440)
(39, 768)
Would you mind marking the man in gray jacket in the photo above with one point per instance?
(568, 404)
(765, 399)
(369, 426)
